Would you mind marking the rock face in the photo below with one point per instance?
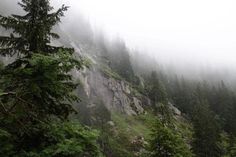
(115, 94)
(174, 110)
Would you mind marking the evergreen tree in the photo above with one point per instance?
(167, 143)
(37, 87)
(231, 118)
(32, 32)
(232, 148)
(37, 84)
(120, 60)
(206, 131)
(182, 95)
(224, 105)
(156, 89)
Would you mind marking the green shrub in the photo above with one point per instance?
(166, 143)
(57, 140)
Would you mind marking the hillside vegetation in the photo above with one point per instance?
(89, 100)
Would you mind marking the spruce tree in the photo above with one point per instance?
(32, 32)
(38, 78)
(167, 143)
(206, 131)
(37, 87)
(156, 89)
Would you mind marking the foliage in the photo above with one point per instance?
(232, 148)
(184, 127)
(42, 85)
(118, 58)
(58, 139)
(108, 72)
(212, 104)
(6, 145)
(1, 65)
(206, 132)
(37, 84)
(37, 89)
(31, 32)
(182, 94)
(128, 135)
(229, 145)
(167, 143)
(156, 89)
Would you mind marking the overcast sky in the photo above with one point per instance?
(178, 31)
(195, 31)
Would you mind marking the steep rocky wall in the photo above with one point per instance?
(115, 94)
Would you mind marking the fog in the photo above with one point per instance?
(186, 35)
(202, 31)
(191, 37)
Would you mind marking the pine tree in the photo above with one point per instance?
(156, 89)
(37, 87)
(166, 143)
(232, 149)
(32, 32)
(206, 131)
(120, 60)
(182, 95)
(37, 84)
(224, 105)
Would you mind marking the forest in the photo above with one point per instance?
(101, 101)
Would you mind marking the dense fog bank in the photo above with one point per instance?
(82, 27)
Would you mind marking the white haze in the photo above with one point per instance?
(187, 34)
(187, 31)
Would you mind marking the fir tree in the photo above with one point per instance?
(37, 87)
(166, 143)
(37, 84)
(156, 89)
(206, 131)
(32, 32)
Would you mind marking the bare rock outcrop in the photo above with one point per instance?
(115, 94)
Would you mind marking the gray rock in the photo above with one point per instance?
(115, 94)
(175, 110)
(111, 123)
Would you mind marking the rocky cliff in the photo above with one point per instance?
(116, 95)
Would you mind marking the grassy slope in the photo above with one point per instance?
(128, 128)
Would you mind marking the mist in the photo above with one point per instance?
(202, 31)
(192, 38)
